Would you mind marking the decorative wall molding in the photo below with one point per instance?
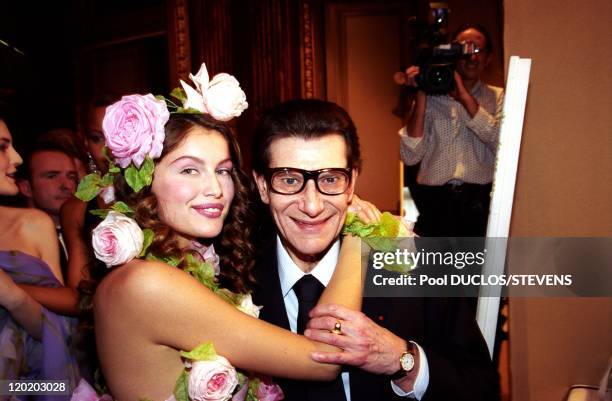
(307, 52)
(179, 46)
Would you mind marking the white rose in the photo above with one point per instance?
(247, 306)
(117, 239)
(224, 99)
(213, 380)
(221, 97)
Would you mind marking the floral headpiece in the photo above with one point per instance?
(134, 127)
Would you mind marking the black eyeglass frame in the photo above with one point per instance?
(308, 175)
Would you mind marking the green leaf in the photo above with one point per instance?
(113, 168)
(190, 110)
(180, 388)
(203, 352)
(204, 272)
(148, 238)
(230, 297)
(89, 187)
(353, 225)
(107, 179)
(169, 260)
(404, 269)
(122, 207)
(138, 178)
(254, 383)
(179, 94)
(132, 177)
(146, 171)
(388, 226)
(101, 213)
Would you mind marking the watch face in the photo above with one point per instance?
(407, 361)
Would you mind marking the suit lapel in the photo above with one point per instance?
(268, 292)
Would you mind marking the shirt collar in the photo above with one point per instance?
(289, 273)
(477, 87)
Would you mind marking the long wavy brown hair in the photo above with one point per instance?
(233, 245)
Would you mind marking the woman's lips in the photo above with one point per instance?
(212, 211)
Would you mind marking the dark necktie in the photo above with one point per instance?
(308, 290)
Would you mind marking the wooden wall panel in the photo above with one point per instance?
(212, 35)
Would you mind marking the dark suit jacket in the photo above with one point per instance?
(459, 364)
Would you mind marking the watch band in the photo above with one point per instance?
(406, 363)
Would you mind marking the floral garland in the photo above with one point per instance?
(134, 133)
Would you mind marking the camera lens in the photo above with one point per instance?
(439, 77)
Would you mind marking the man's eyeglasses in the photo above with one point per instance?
(290, 181)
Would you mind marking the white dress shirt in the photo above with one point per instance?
(456, 147)
(289, 273)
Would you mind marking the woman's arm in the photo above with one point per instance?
(345, 287)
(62, 300)
(24, 310)
(72, 217)
(168, 307)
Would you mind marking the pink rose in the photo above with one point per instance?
(134, 128)
(269, 392)
(117, 240)
(84, 392)
(213, 380)
(220, 97)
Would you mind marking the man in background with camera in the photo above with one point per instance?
(454, 135)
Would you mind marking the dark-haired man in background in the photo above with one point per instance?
(455, 138)
(306, 159)
(48, 178)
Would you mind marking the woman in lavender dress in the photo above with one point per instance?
(34, 342)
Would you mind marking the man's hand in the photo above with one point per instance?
(463, 96)
(366, 345)
(366, 211)
(410, 76)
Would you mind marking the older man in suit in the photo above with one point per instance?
(306, 160)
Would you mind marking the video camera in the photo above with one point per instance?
(436, 57)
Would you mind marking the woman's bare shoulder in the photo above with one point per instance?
(28, 217)
(29, 223)
(139, 283)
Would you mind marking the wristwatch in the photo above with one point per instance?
(406, 362)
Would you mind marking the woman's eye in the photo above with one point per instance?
(189, 171)
(224, 171)
(96, 137)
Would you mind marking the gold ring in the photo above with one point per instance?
(337, 328)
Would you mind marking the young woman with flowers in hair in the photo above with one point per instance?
(170, 307)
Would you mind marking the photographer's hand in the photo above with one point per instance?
(410, 76)
(463, 96)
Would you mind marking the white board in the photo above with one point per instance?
(504, 181)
